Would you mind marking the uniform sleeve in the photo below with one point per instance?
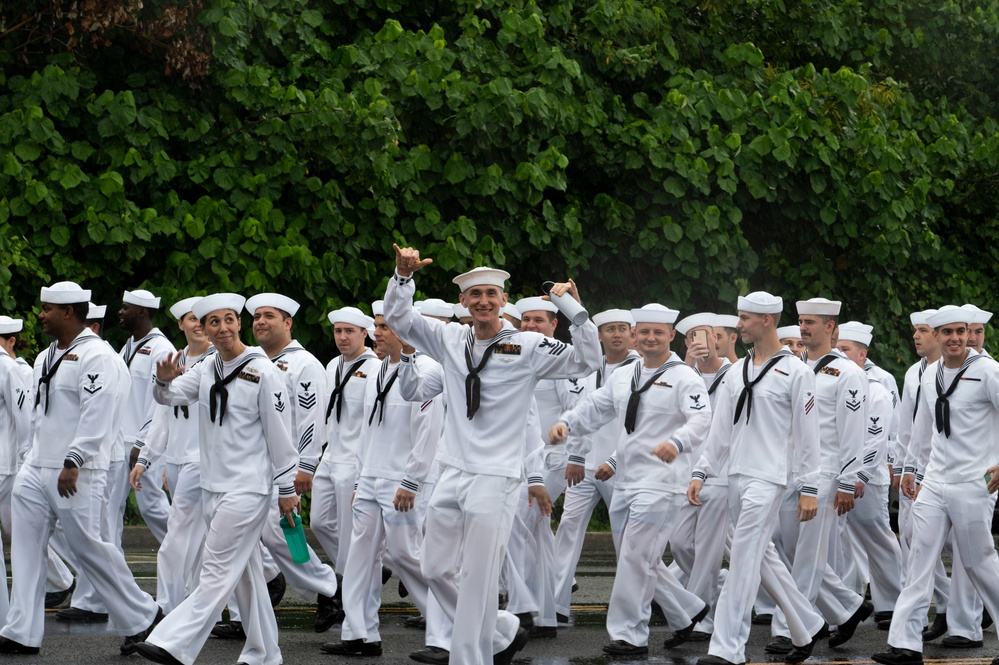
(310, 416)
(419, 382)
(905, 418)
(159, 435)
(896, 416)
(276, 422)
(921, 441)
(97, 392)
(878, 414)
(577, 446)
(534, 465)
(162, 351)
(850, 426)
(427, 335)
(696, 409)
(20, 409)
(805, 432)
(426, 422)
(592, 412)
(552, 359)
(717, 444)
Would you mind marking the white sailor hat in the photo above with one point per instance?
(142, 298)
(9, 326)
(378, 308)
(981, 316)
(481, 277)
(789, 332)
(855, 331)
(695, 321)
(65, 293)
(760, 302)
(948, 314)
(180, 309)
(96, 312)
(654, 313)
(218, 301)
(819, 306)
(275, 300)
(371, 334)
(921, 318)
(351, 315)
(613, 316)
(461, 311)
(726, 321)
(535, 304)
(435, 307)
(512, 310)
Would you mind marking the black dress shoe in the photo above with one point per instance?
(895, 656)
(328, 613)
(54, 599)
(622, 648)
(542, 632)
(229, 630)
(130, 645)
(845, 631)
(958, 642)
(386, 575)
(10, 646)
(505, 657)
(419, 622)
(156, 654)
(81, 616)
(353, 648)
(699, 636)
(526, 620)
(986, 619)
(562, 619)
(575, 588)
(403, 591)
(275, 589)
(935, 629)
(678, 637)
(431, 655)
(779, 646)
(762, 619)
(801, 654)
(883, 620)
(715, 660)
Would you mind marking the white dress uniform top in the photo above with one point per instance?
(476, 495)
(957, 412)
(582, 498)
(765, 429)
(397, 448)
(246, 450)
(75, 421)
(15, 426)
(840, 396)
(175, 435)
(647, 494)
(333, 485)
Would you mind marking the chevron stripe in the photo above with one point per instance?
(307, 401)
(306, 439)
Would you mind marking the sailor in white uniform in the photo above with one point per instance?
(77, 413)
(246, 449)
(958, 409)
(790, 336)
(726, 336)
(471, 512)
(765, 430)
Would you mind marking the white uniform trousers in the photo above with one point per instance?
(468, 527)
(179, 557)
(230, 563)
(646, 525)
(968, 509)
(964, 615)
(520, 597)
(848, 556)
(306, 579)
(580, 500)
(754, 504)
(58, 575)
(941, 583)
(85, 596)
(377, 525)
(152, 500)
(35, 507)
(330, 511)
(807, 544)
(869, 524)
(699, 543)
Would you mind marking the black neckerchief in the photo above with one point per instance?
(631, 413)
(943, 404)
(221, 381)
(132, 348)
(919, 387)
(49, 368)
(382, 391)
(746, 396)
(603, 369)
(473, 384)
(336, 397)
(719, 375)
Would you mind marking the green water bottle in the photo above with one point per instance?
(295, 535)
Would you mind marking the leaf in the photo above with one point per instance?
(110, 183)
(71, 177)
(228, 27)
(60, 236)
